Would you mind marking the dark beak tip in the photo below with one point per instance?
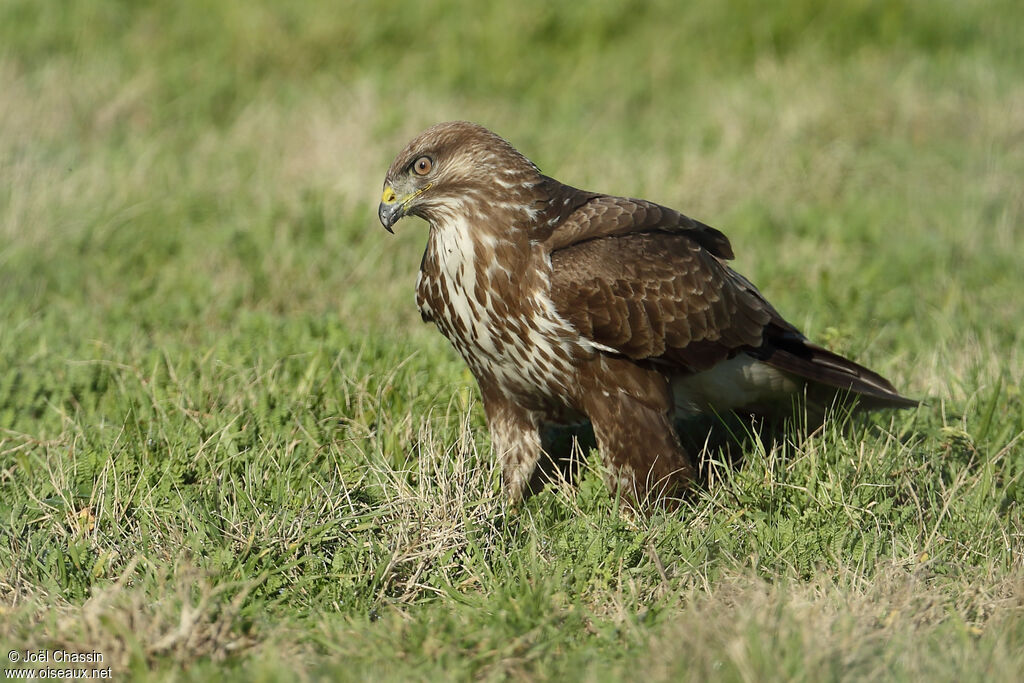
(387, 218)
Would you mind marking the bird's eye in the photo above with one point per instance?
(422, 165)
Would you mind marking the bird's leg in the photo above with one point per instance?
(635, 435)
(639, 446)
(515, 438)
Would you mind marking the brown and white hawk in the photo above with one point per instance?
(571, 305)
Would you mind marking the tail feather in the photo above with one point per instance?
(798, 356)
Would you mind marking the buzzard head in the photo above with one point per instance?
(453, 170)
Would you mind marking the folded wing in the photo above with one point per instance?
(652, 284)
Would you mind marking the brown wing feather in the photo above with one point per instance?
(657, 296)
(582, 216)
(658, 291)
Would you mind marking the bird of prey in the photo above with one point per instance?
(570, 305)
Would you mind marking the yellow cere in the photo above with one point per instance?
(388, 196)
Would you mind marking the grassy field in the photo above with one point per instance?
(227, 443)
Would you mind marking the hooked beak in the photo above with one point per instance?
(390, 209)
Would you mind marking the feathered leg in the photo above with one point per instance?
(635, 435)
(515, 438)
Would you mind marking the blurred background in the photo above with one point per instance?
(172, 164)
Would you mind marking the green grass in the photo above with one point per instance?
(227, 444)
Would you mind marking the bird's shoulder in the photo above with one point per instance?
(573, 216)
(652, 283)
